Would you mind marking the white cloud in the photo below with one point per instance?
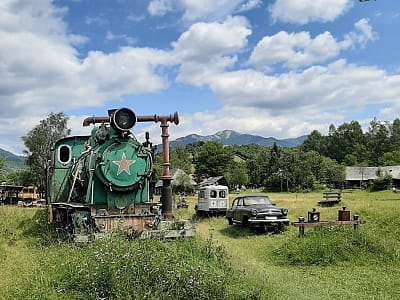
(295, 50)
(208, 9)
(362, 35)
(199, 11)
(305, 11)
(251, 4)
(111, 36)
(209, 48)
(320, 88)
(161, 7)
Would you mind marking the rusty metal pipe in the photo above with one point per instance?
(94, 120)
(173, 118)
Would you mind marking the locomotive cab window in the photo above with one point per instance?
(213, 194)
(222, 194)
(64, 154)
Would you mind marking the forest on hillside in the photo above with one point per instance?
(319, 162)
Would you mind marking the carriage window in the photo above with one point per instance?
(64, 154)
(222, 194)
(213, 194)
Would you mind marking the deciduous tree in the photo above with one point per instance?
(39, 142)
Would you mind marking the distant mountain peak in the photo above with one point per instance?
(231, 137)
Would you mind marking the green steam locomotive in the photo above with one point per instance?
(105, 181)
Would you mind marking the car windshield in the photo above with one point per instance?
(257, 200)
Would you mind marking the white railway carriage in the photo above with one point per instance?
(212, 200)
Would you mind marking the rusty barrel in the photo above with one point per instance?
(344, 215)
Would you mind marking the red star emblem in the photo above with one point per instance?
(123, 164)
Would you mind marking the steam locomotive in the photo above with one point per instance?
(105, 181)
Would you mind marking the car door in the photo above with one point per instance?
(238, 211)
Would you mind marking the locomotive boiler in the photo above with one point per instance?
(105, 181)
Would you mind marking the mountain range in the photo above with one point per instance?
(230, 137)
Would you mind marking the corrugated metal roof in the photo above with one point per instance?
(369, 173)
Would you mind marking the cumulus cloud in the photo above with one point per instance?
(318, 87)
(303, 12)
(362, 35)
(209, 48)
(295, 50)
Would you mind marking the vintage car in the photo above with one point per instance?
(258, 212)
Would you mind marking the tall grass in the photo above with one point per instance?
(329, 246)
(114, 267)
(223, 262)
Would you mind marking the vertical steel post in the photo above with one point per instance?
(355, 218)
(301, 228)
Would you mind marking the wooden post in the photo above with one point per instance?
(355, 218)
(301, 228)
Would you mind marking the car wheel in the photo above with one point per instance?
(263, 228)
(230, 221)
(245, 222)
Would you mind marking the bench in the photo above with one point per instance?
(301, 224)
(330, 198)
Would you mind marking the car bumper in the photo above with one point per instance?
(271, 222)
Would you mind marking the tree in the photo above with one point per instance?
(315, 141)
(377, 140)
(237, 175)
(39, 142)
(395, 135)
(181, 158)
(213, 160)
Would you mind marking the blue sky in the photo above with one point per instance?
(278, 68)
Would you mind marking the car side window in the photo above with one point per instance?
(234, 203)
(240, 202)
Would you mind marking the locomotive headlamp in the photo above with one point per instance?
(123, 119)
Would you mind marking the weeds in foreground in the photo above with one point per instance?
(115, 268)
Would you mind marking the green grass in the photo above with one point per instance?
(224, 262)
(328, 263)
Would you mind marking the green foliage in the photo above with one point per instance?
(39, 142)
(213, 160)
(181, 158)
(332, 245)
(237, 174)
(383, 182)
